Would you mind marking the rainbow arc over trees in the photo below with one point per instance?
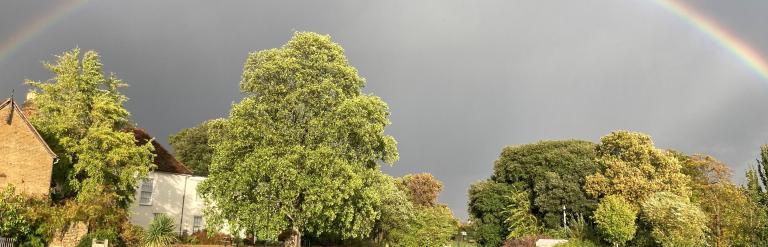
(749, 56)
(720, 35)
(28, 31)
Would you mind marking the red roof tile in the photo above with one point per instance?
(164, 160)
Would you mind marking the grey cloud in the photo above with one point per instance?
(463, 79)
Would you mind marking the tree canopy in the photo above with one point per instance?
(553, 172)
(431, 223)
(632, 167)
(191, 146)
(422, 188)
(674, 220)
(487, 201)
(302, 149)
(80, 114)
(725, 204)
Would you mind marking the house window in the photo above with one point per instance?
(147, 186)
(197, 224)
(155, 215)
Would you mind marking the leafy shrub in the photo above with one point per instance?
(86, 241)
(430, 226)
(23, 218)
(99, 234)
(203, 237)
(131, 235)
(615, 219)
(579, 243)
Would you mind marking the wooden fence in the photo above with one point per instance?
(7, 242)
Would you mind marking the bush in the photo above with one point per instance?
(202, 237)
(131, 235)
(23, 218)
(579, 243)
(107, 234)
(615, 219)
(86, 241)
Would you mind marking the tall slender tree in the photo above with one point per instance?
(760, 186)
(80, 114)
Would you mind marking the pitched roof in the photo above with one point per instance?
(164, 160)
(15, 108)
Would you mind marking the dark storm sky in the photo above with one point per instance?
(463, 79)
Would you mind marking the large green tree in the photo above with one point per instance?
(191, 146)
(80, 114)
(553, 172)
(632, 167)
(302, 150)
(487, 201)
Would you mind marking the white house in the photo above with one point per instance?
(171, 190)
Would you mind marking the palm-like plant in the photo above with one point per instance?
(160, 232)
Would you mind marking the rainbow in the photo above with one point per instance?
(17, 39)
(721, 36)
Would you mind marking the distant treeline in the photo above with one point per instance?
(621, 191)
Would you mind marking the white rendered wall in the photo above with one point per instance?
(167, 197)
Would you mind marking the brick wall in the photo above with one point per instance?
(24, 161)
(71, 237)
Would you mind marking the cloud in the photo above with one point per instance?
(463, 79)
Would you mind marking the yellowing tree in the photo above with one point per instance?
(727, 206)
(674, 220)
(630, 166)
(422, 188)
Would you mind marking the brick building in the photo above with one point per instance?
(26, 161)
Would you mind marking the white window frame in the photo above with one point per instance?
(195, 226)
(151, 192)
